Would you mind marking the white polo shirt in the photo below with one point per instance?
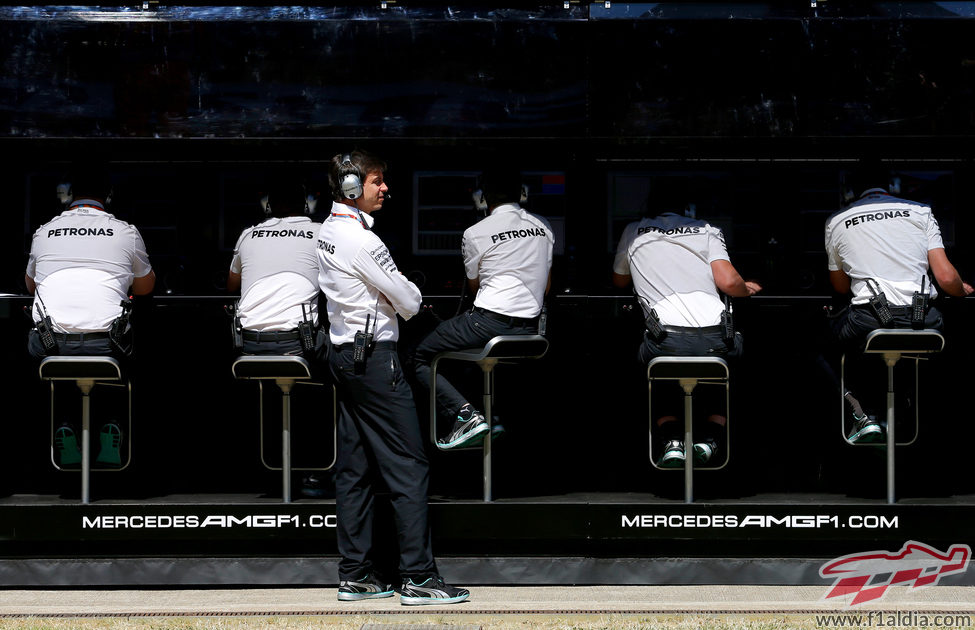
(360, 279)
(669, 258)
(510, 253)
(278, 265)
(885, 238)
(83, 262)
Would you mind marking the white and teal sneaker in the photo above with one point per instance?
(367, 588)
(673, 456)
(431, 590)
(866, 430)
(465, 432)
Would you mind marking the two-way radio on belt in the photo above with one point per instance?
(45, 327)
(362, 343)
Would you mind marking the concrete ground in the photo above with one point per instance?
(484, 600)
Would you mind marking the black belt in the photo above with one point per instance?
(64, 337)
(378, 345)
(506, 319)
(893, 309)
(688, 330)
(272, 335)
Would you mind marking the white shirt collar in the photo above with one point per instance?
(507, 207)
(874, 191)
(364, 218)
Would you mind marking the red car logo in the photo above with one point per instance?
(867, 575)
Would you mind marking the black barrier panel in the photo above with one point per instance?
(524, 529)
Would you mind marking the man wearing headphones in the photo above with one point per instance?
(679, 267)
(508, 260)
(275, 267)
(82, 266)
(880, 249)
(378, 429)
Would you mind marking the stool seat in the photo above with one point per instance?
(496, 350)
(903, 341)
(286, 371)
(80, 368)
(271, 368)
(503, 347)
(85, 371)
(676, 368)
(689, 371)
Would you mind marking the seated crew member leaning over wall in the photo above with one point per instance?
(881, 248)
(275, 267)
(508, 260)
(82, 267)
(679, 267)
(378, 430)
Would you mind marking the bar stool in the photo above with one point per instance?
(689, 372)
(286, 371)
(893, 344)
(500, 349)
(86, 372)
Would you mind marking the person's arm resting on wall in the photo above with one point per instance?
(946, 275)
(730, 282)
(145, 284)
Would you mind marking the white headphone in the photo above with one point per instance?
(64, 193)
(350, 181)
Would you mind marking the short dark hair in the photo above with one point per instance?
(868, 173)
(669, 193)
(501, 184)
(90, 180)
(286, 198)
(362, 162)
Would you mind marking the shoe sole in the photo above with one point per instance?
(477, 433)
(868, 435)
(427, 601)
(355, 597)
(674, 461)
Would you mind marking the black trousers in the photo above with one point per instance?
(847, 334)
(689, 342)
(100, 346)
(469, 330)
(379, 440)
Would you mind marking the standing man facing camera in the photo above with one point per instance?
(508, 260)
(82, 266)
(275, 268)
(378, 429)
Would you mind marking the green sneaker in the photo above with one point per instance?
(110, 440)
(66, 444)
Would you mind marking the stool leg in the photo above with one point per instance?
(285, 441)
(85, 387)
(688, 386)
(488, 374)
(891, 439)
(85, 448)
